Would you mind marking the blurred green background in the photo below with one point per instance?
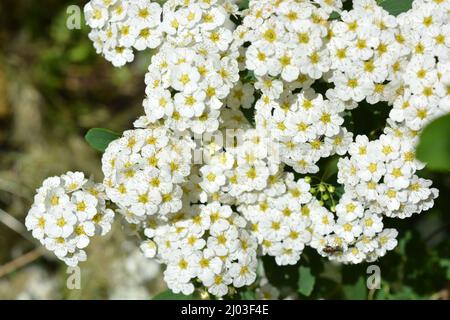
(53, 88)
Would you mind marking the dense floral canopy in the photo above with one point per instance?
(212, 189)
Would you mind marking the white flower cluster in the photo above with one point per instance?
(203, 24)
(144, 171)
(307, 127)
(119, 26)
(241, 172)
(66, 213)
(378, 57)
(185, 88)
(281, 220)
(366, 54)
(286, 39)
(285, 223)
(195, 69)
(425, 77)
(205, 242)
(378, 181)
(307, 64)
(381, 174)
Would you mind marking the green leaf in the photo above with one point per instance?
(395, 7)
(243, 4)
(356, 291)
(249, 115)
(331, 168)
(249, 76)
(334, 15)
(306, 281)
(169, 295)
(434, 144)
(247, 295)
(99, 139)
(403, 242)
(405, 293)
(445, 263)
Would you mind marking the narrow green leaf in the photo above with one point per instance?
(334, 15)
(434, 144)
(306, 281)
(395, 7)
(99, 138)
(249, 115)
(169, 295)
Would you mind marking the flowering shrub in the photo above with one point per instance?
(244, 103)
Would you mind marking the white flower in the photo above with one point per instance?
(84, 231)
(223, 242)
(190, 104)
(218, 284)
(387, 240)
(348, 209)
(73, 181)
(391, 198)
(184, 78)
(257, 59)
(243, 272)
(349, 231)
(158, 104)
(371, 224)
(96, 16)
(398, 174)
(209, 265)
(219, 38)
(85, 205)
(36, 221)
(315, 64)
(145, 13)
(371, 168)
(119, 56)
(326, 121)
(241, 96)
(148, 247)
(351, 86)
(65, 214)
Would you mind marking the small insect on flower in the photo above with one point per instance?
(332, 250)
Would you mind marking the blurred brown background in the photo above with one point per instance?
(53, 88)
